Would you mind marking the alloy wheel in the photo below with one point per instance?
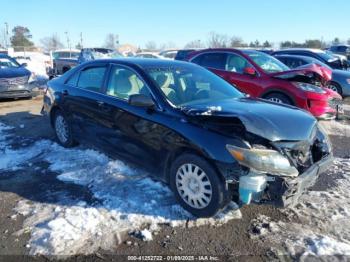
(333, 88)
(276, 100)
(194, 186)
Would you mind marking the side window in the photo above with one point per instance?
(284, 60)
(124, 82)
(72, 81)
(213, 60)
(236, 63)
(92, 78)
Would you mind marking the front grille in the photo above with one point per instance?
(13, 81)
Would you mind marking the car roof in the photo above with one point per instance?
(296, 56)
(313, 50)
(142, 62)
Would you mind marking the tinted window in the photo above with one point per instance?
(292, 62)
(236, 63)
(124, 82)
(72, 81)
(213, 60)
(92, 78)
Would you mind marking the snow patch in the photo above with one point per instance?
(338, 128)
(127, 199)
(319, 224)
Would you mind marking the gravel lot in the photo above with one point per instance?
(37, 196)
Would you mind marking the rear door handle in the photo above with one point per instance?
(65, 92)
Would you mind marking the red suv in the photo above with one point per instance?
(261, 75)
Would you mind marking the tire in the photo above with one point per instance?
(63, 130)
(200, 177)
(279, 98)
(335, 87)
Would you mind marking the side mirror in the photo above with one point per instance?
(250, 71)
(24, 65)
(141, 101)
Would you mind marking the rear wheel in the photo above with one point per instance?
(197, 186)
(279, 98)
(63, 130)
(335, 87)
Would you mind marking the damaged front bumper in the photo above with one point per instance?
(284, 192)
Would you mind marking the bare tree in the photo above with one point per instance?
(51, 43)
(110, 41)
(216, 40)
(194, 44)
(237, 41)
(151, 45)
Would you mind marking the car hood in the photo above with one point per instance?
(306, 70)
(14, 72)
(265, 119)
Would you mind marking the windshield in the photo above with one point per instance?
(8, 63)
(327, 57)
(186, 85)
(266, 62)
(59, 55)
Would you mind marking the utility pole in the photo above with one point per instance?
(68, 40)
(81, 39)
(6, 34)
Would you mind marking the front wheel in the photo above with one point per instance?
(335, 87)
(63, 130)
(197, 186)
(279, 98)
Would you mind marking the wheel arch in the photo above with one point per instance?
(279, 91)
(187, 150)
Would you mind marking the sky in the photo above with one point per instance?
(179, 22)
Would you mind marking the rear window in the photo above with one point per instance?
(92, 78)
(212, 60)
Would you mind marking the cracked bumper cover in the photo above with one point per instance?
(285, 192)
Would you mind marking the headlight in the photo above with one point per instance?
(31, 78)
(263, 160)
(348, 81)
(309, 88)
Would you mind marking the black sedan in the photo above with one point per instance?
(331, 61)
(190, 129)
(14, 78)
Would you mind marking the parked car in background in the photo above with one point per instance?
(168, 53)
(261, 75)
(190, 129)
(149, 55)
(183, 54)
(88, 54)
(62, 61)
(340, 81)
(330, 60)
(14, 79)
(341, 50)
